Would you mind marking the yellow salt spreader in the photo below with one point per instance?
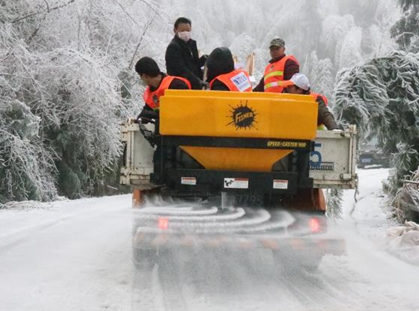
(240, 170)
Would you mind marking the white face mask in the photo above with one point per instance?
(184, 35)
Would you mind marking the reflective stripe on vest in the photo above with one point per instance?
(281, 84)
(152, 99)
(274, 74)
(237, 81)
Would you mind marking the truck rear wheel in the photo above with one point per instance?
(144, 259)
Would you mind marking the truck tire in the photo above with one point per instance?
(144, 259)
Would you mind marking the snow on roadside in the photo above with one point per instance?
(372, 215)
(371, 212)
(403, 242)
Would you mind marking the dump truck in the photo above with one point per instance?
(240, 170)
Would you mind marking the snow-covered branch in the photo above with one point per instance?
(381, 96)
(46, 11)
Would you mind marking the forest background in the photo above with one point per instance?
(67, 79)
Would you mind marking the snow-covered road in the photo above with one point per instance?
(67, 256)
(77, 256)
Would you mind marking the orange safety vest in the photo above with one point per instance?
(274, 75)
(237, 81)
(152, 99)
(315, 96)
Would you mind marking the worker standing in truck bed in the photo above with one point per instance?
(281, 67)
(182, 58)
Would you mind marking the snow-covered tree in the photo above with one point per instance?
(241, 47)
(406, 30)
(322, 78)
(64, 91)
(350, 52)
(407, 199)
(381, 96)
(67, 71)
(309, 64)
(321, 75)
(26, 165)
(334, 30)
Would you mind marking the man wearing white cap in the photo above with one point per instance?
(299, 84)
(281, 67)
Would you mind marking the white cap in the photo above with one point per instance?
(301, 81)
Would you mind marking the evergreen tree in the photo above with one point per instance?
(406, 30)
(381, 96)
(350, 53)
(322, 78)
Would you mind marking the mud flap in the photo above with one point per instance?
(307, 200)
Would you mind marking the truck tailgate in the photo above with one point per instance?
(332, 163)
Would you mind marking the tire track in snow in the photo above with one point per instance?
(145, 290)
(170, 281)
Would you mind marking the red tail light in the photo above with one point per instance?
(163, 223)
(315, 225)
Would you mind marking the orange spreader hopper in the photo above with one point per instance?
(238, 115)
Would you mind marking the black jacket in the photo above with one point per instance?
(324, 116)
(219, 86)
(219, 62)
(182, 60)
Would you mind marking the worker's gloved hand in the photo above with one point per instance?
(145, 120)
(147, 116)
(138, 119)
(141, 119)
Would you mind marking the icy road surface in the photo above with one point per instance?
(76, 255)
